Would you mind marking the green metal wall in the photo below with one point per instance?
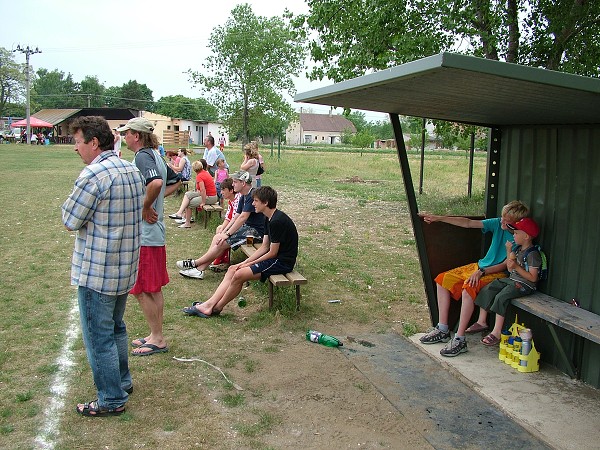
(556, 171)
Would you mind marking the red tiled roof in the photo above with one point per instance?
(325, 122)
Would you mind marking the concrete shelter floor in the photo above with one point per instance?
(474, 400)
(563, 412)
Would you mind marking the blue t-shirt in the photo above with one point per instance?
(497, 251)
(256, 220)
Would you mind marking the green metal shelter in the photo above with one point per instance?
(544, 149)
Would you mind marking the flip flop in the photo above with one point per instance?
(213, 313)
(153, 349)
(193, 311)
(92, 409)
(490, 340)
(141, 340)
(476, 328)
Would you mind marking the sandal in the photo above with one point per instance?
(490, 340)
(92, 409)
(476, 328)
(213, 313)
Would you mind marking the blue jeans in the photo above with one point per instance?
(106, 343)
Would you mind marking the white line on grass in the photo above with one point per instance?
(48, 435)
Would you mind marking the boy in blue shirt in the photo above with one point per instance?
(465, 282)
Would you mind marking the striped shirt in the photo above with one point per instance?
(105, 209)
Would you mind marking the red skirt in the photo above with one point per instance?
(152, 270)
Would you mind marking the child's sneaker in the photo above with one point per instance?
(455, 347)
(434, 336)
(186, 264)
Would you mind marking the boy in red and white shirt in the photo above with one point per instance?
(222, 262)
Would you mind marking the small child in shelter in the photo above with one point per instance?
(221, 174)
(524, 263)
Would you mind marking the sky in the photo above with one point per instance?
(154, 43)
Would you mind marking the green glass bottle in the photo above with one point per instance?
(242, 302)
(325, 339)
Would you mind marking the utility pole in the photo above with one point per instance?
(28, 52)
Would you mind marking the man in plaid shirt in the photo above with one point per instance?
(105, 210)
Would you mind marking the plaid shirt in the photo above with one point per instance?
(105, 208)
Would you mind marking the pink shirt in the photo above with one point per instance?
(221, 174)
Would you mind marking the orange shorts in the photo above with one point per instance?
(455, 280)
(152, 270)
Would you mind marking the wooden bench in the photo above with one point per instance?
(292, 278)
(558, 313)
(208, 210)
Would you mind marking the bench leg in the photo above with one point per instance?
(206, 213)
(561, 350)
(297, 297)
(270, 295)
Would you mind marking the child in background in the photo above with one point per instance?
(524, 263)
(260, 171)
(220, 174)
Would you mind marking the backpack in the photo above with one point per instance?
(543, 272)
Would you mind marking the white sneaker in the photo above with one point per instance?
(193, 273)
(185, 264)
(182, 221)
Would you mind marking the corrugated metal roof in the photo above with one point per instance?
(55, 116)
(325, 123)
(467, 89)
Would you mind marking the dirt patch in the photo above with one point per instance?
(319, 397)
(325, 402)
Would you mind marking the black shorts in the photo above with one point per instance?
(270, 267)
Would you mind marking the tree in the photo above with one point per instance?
(112, 95)
(92, 92)
(260, 55)
(349, 38)
(357, 118)
(12, 82)
(135, 96)
(382, 129)
(353, 37)
(363, 139)
(54, 90)
(186, 108)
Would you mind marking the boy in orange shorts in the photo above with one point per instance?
(463, 283)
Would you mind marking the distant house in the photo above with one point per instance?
(170, 131)
(61, 118)
(318, 129)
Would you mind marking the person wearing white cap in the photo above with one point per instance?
(160, 181)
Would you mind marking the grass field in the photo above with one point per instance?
(356, 245)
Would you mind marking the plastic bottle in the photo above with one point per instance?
(242, 302)
(526, 336)
(325, 339)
